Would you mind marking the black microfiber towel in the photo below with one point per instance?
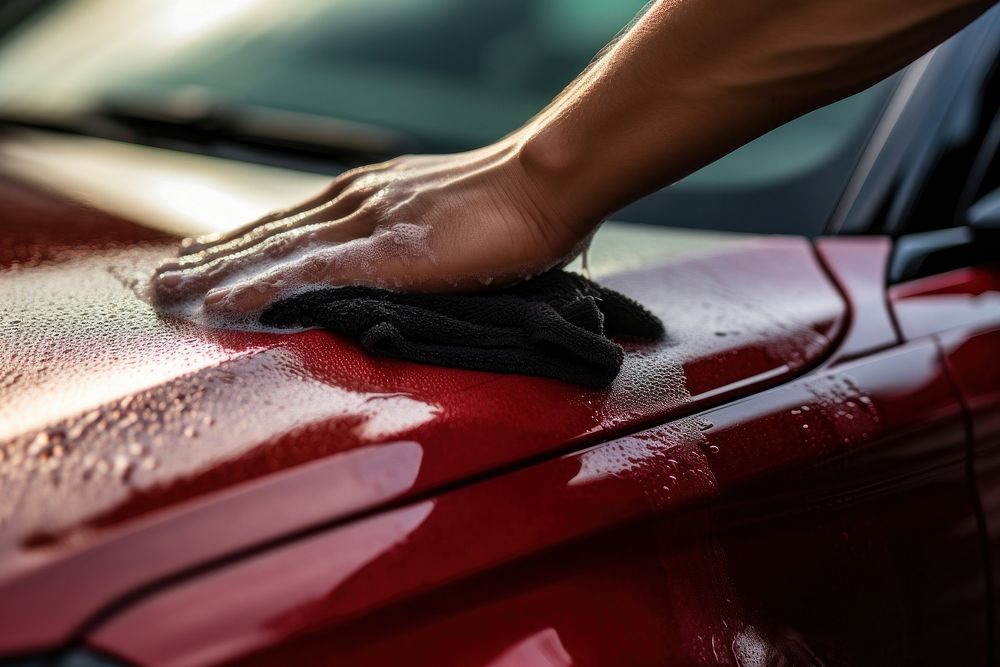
(555, 325)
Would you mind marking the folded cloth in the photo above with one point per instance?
(555, 325)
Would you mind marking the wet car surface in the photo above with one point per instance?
(803, 472)
(115, 412)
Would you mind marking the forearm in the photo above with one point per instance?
(688, 82)
(694, 79)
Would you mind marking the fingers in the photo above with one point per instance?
(348, 197)
(373, 226)
(257, 292)
(173, 285)
(329, 211)
(193, 246)
(387, 257)
(328, 268)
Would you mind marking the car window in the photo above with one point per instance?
(452, 74)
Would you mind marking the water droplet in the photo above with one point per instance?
(39, 444)
(122, 467)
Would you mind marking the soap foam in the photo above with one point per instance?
(317, 260)
(362, 256)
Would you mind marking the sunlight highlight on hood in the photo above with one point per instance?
(187, 20)
(182, 194)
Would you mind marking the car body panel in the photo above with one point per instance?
(961, 309)
(826, 518)
(965, 299)
(974, 360)
(111, 414)
(858, 265)
(790, 477)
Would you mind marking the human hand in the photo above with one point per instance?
(416, 223)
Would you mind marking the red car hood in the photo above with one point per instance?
(112, 417)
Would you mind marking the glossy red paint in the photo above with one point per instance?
(858, 265)
(200, 497)
(826, 519)
(961, 309)
(969, 300)
(37, 228)
(960, 299)
(974, 360)
(110, 416)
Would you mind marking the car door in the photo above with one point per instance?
(949, 290)
(961, 309)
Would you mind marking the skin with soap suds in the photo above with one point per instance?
(687, 82)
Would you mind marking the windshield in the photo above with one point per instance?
(450, 74)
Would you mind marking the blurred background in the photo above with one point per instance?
(319, 85)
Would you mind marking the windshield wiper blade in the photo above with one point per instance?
(195, 115)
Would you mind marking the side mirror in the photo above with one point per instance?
(927, 253)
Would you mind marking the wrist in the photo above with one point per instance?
(560, 169)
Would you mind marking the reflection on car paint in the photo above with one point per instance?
(274, 403)
(542, 649)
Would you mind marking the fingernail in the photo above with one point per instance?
(216, 296)
(168, 279)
